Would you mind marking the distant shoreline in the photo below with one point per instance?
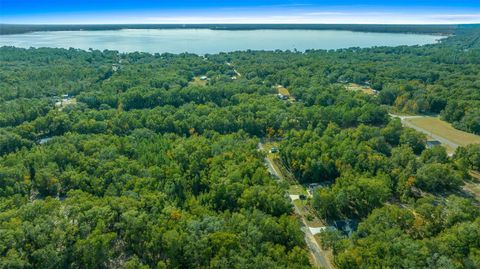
(205, 41)
(8, 29)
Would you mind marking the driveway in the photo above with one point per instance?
(319, 256)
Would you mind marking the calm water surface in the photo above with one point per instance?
(202, 41)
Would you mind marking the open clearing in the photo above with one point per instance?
(440, 130)
(297, 189)
(198, 82)
(65, 102)
(436, 127)
(282, 90)
(365, 89)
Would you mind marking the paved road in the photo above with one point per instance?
(319, 256)
(404, 120)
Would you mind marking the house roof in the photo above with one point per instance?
(433, 143)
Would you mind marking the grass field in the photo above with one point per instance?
(444, 129)
(297, 189)
(198, 82)
(283, 90)
(364, 89)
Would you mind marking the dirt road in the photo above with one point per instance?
(319, 256)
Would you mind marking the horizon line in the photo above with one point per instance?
(245, 23)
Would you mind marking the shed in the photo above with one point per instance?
(433, 143)
(44, 140)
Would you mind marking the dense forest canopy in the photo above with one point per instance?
(112, 160)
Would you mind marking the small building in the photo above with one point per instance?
(44, 140)
(318, 230)
(314, 186)
(203, 78)
(311, 188)
(433, 143)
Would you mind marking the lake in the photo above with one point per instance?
(203, 41)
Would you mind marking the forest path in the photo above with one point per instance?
(234, 70)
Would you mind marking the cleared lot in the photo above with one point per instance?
(365, 89)
(435, 127)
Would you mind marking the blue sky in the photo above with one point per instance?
(240, 11)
